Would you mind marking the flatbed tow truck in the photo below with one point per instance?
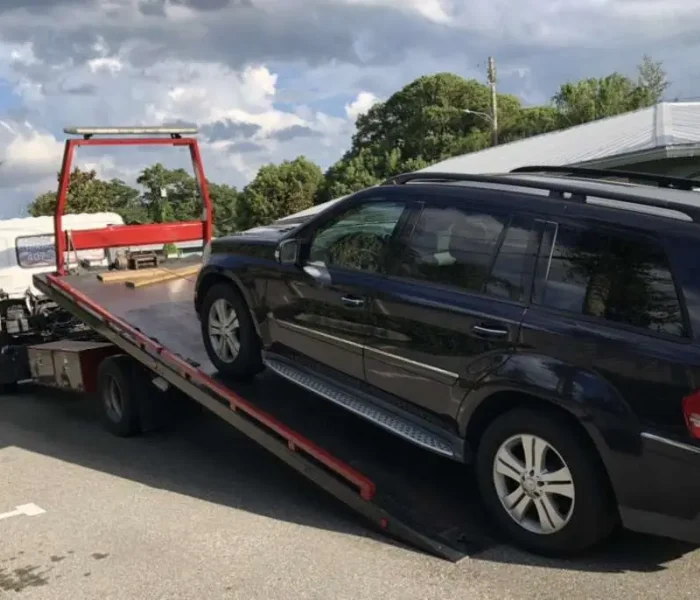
(148, 352)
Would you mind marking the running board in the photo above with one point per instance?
(381, 417)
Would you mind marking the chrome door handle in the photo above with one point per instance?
(489, 331)
(353, 301)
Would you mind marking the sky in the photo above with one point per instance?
(268, 80)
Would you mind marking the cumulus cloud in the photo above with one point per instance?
(266, 80)
(27, 155)
(360, 105)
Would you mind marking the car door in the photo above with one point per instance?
(451, 308)
(320, 311)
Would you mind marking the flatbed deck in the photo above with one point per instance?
(418, 497)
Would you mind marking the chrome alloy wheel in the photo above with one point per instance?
(224, 330)
(534, 484)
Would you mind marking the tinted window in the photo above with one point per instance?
(507, 279)
(624, 280)
(452, 246)
(357, 239)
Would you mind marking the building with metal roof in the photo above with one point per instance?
(664, 138)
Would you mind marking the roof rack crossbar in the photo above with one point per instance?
(681, 183)
(577, 191)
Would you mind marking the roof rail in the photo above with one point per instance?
(568, 190)
(665, 181)
(88, 132)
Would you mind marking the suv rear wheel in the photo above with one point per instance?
(542, 484)
(229, 335)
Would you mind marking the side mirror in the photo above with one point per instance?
(287, 252)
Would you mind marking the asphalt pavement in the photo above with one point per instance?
(198, 511)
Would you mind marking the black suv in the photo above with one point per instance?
(543, 324)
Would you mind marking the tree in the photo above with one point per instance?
(169, 194)
(592, 99)
(278, 190)
(89, 194)
(652, 80)
(224, 199)
(364, 170)
(531, 121)
(427, 119)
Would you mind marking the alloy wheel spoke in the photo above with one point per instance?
(559, 482)
(535, 450)
(548, 514)
(508, 465)
(518, 502)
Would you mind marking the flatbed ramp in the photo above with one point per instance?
(418, 498)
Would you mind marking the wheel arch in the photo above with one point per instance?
(213, 276)
(503, 401)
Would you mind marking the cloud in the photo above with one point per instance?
(295, 131)
(266, 80)
(360, 105)
(27, 153)
(228, 129)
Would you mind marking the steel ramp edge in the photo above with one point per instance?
(333, 475)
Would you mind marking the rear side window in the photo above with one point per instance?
(472, 250)
(617, 278)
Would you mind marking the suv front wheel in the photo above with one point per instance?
(542, 484)
(229, 335)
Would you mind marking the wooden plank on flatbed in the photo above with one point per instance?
(115, 276)
(165, 275)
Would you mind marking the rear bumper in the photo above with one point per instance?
(667, 498)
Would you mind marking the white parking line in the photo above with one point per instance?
(27, 510)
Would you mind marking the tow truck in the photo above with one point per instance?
(147, 354)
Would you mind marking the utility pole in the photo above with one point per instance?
(494, 101)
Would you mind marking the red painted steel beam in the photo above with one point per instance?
(137, 235)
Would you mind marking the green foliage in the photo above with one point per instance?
(426, 120)
(279, 190)
(224, 199)
(531, 121)
(615, 94)
(432, 118)
(88, 194)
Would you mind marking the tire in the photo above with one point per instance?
(584, 520)
(244, 363)
(122, 388)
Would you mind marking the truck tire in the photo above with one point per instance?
(122, 389)
(543, 485)
(229, 335)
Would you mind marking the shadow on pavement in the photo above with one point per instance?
(203, 457)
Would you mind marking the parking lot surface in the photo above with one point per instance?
(197, 511)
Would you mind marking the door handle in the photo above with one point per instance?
(493, 332)
(353, 301)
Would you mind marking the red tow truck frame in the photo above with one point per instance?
(128, 235)
(319, 465)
